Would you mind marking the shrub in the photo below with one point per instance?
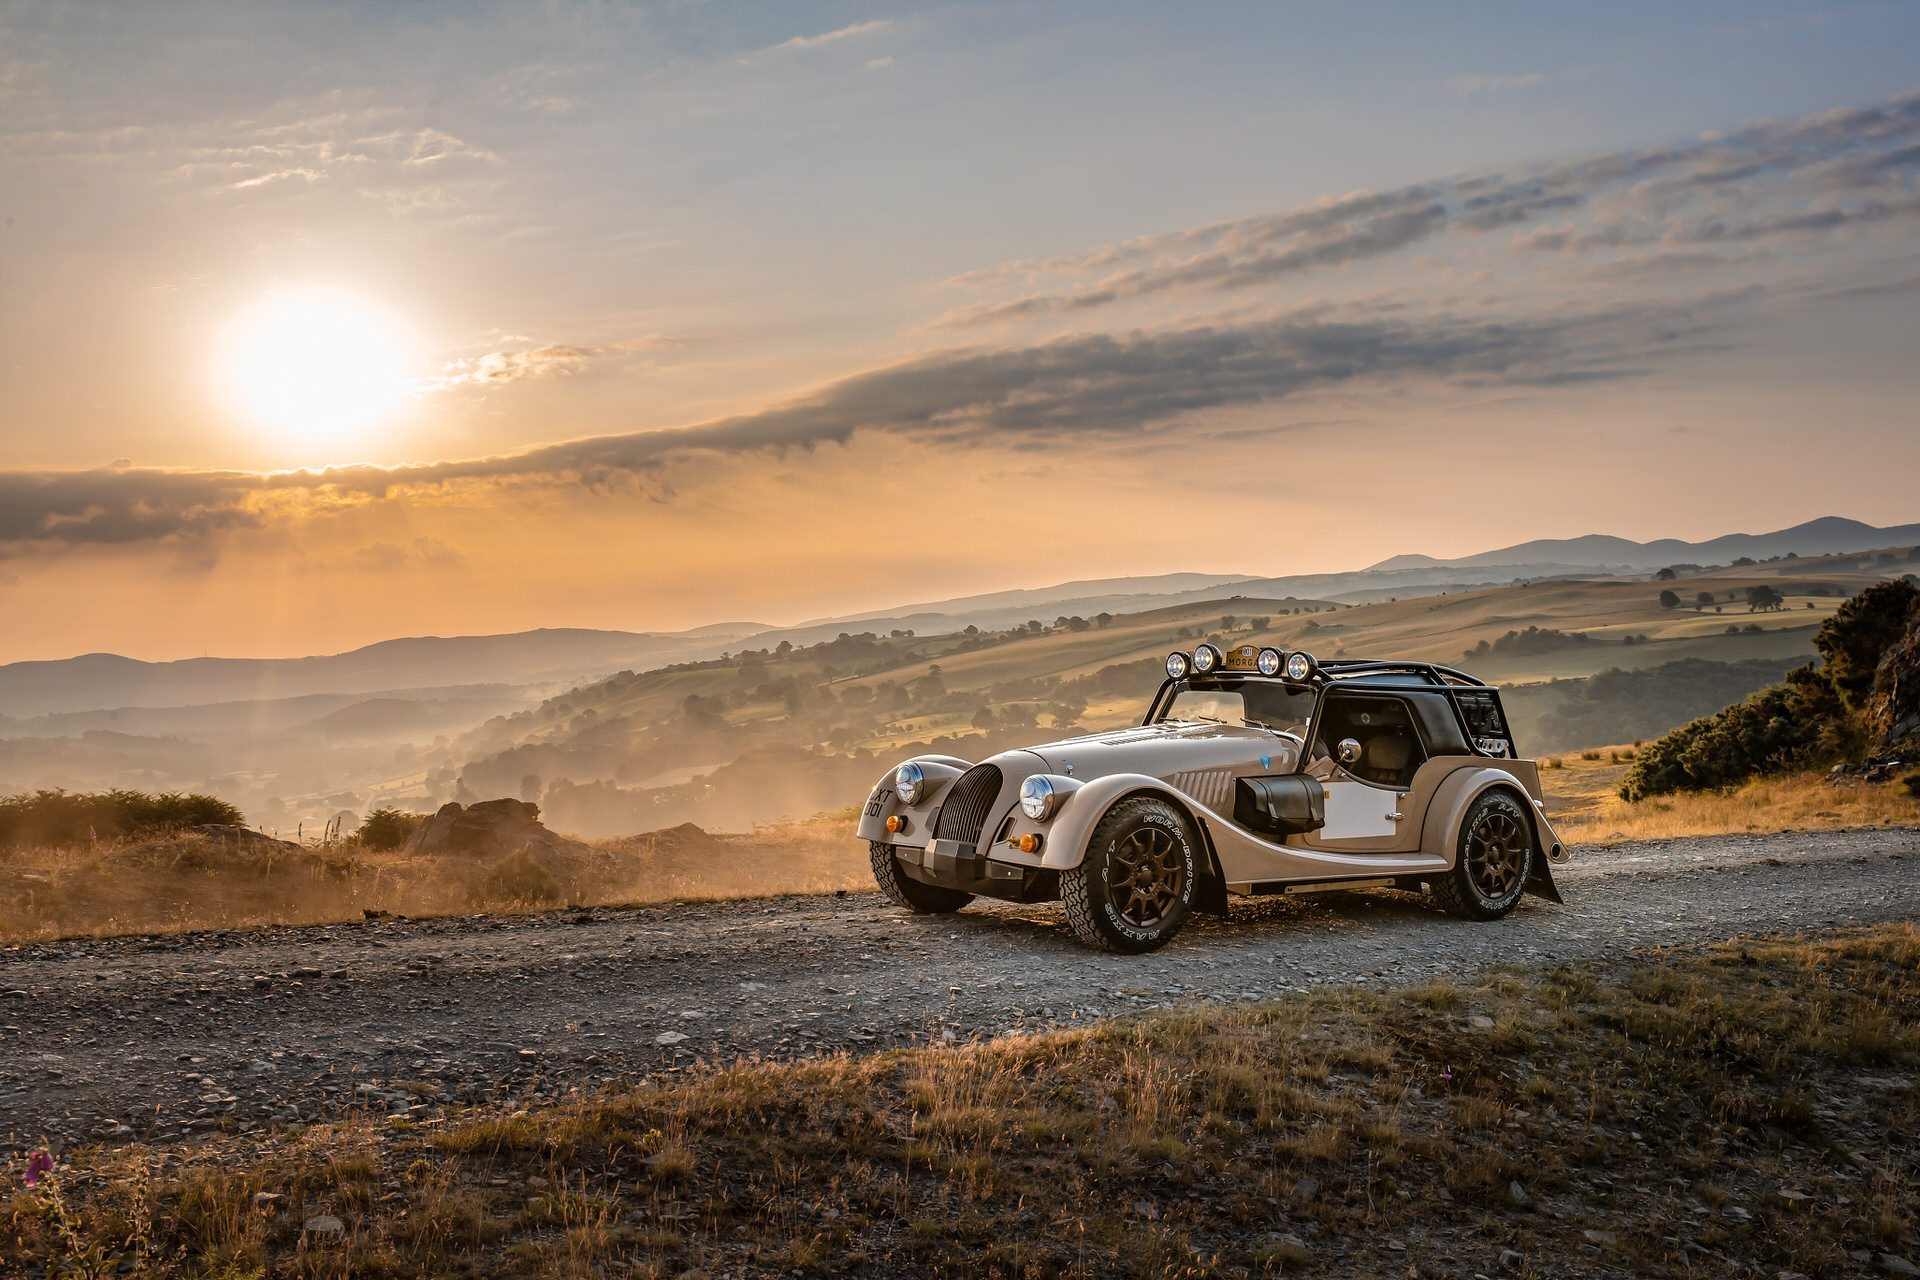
(1783, 727)
(58, 818)
(388, 828)
(520, 878)
(1853, 640)
(1912, 783)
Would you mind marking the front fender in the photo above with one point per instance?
(1448, 809)
(882, 803)
(1065, 835)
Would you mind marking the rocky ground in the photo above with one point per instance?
(157, 1038)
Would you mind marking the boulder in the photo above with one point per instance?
(487, 830)
(244, 838)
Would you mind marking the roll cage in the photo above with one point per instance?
(1484, 725)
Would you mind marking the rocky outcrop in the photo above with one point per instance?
(244, 838)
(1893, 712)
(488, 830)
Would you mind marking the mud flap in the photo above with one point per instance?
(1210, 895)
(1541, 881)
(1210, 887)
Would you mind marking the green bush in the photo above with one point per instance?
(1795, 725)
(388, 828)
(1810, 720)
(60, 818)
(1860, 632)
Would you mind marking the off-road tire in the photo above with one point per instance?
(1494, 859)
(924, 899)
(1135, 887)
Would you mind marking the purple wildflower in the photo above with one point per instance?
(38, 1163)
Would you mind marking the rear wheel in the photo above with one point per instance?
(926, 899)
(1494, 859)
(1133, 889)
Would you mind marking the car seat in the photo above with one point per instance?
(1386, 756)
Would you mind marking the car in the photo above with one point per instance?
(1254, 771)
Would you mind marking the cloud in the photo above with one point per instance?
(1467, 86)
(1808, 176)
(390, 556)
(844, 33)
(509, 366)
(1086, 384)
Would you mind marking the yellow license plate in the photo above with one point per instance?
(1245, 658)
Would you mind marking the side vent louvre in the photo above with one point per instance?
(1210, 787)
(965, 812)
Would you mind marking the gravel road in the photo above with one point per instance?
(157, 1038)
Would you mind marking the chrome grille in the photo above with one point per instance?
(965, 812)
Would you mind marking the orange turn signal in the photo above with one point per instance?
(896, 824)
(1026, 844)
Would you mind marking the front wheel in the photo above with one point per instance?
(924, 899)
(1494, 859)
(1133, 889)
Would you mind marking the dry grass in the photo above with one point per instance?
(1747, 1107)
(1582, 802)
(193, 882)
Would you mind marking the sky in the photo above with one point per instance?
(326, 323)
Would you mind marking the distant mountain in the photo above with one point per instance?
(101, 680)
(550, 657)
(1829, 535)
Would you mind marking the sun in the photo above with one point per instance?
(316, 365)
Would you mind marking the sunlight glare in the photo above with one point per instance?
(316, 366)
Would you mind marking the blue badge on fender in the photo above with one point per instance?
(1266, 762)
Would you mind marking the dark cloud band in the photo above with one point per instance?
(1087, 385)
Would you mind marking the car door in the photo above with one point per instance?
(1364, 796)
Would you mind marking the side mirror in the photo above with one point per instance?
(1348, 751)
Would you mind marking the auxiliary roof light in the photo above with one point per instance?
(1178, 664)
(1269, 662)
(1299, 665)
(1206, 660)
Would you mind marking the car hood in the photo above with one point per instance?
(1160, 750)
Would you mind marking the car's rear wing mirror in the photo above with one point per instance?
(1287, 804)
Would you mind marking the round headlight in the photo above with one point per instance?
(1177, 665)
(908, 783)
(1036, 798)
(1299, 665)
(1269, 662)
(1206, 658)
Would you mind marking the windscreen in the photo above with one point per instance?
(1258, 703)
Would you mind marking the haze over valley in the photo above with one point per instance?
(736, 724)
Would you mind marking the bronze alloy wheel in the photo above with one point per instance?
(1496, 853)
(1145, 876)
(1135, 883)
(1495, 858)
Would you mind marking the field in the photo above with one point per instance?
(1584, 808)
(762, 736)
(1742, 1107)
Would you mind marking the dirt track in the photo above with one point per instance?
(158, 1037)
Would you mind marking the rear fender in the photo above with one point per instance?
(882, 803)
(1448, 809)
